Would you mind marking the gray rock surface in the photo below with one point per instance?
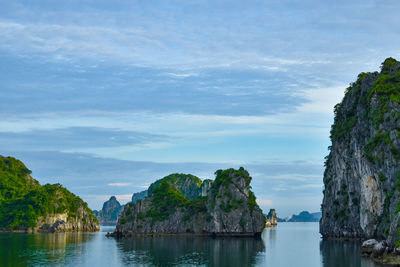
(272, 219)
(139, 196)
(362, 169)
(83, 222)
(108, 215)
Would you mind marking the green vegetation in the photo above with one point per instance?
(346, 116)
(167, 197)
(224, 179)
(188, 184)
(23, 200)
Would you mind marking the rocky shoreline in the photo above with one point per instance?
(381, 252)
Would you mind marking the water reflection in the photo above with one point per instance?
(289, 244)
(166, 251)
(343, 253)
(38, 249)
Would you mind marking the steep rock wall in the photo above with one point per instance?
(362, 168)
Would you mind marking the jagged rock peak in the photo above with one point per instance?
(108, 215)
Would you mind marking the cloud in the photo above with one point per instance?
(264, 202)
(124, 198)
(321, 100)
(75, 138)
(119, 184)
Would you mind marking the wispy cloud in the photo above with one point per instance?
(119, 184)
(72, 138)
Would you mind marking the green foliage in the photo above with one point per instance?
(23, 200)
(242, 223)
(380, 139)
(178, 180)
(382, 177)
(251, 201)
(344, 121)
(224, 178)
(141, 216)
(196, 205)
(166, 198)
(388, 65)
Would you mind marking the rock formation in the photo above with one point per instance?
(108, 215)
(229, 208)
(362, 175)
(139, 196)
(25, 205)
(272, 219)
(189, 185)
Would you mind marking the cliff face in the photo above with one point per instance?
(139, 196)
(25, 205)
(228, 209)
(108, 215)
(362, 175)
(60, 222)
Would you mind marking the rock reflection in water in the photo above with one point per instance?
(35, 249)
(185, 250)
(343, 253)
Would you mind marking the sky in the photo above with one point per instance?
(106, 97)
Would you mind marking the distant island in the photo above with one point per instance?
(303, 216)
(108, 215)
(183, 204)
(27, 206)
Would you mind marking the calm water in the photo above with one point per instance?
(289, 244)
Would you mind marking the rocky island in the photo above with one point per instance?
(183, 204)
(108, 215)
(27, 206)
(362, 175)
(303, 216)
(272, 219)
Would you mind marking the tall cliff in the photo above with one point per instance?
(108, 215)
(229, 208)
(362, 175)
(25, 205)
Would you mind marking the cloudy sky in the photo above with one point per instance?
(107, 96)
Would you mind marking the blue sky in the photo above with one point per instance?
(107, 96)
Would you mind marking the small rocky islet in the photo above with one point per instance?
(362, 174)
(27, 206)
(183, 204)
